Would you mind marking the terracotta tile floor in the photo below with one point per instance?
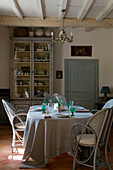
(10, 161)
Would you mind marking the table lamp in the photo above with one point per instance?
(105, 90)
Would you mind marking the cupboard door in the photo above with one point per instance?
(22, 57)
(31, 69)
(41, 69)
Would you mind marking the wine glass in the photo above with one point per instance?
(68, 105)
(72, 111)
(46, 102)
(43, 108)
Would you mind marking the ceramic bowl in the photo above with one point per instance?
(39, 32)
(47, 33)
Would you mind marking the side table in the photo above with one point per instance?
(100, 105)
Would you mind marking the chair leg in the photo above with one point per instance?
(109, 149)
(106, 156)
(12, 149)
(94, 159)
(74, 160)
(13, 141)
(98, 157)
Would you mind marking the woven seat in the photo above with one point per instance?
(86, 139)
(92, 137)
(17, 121)
(20, 125)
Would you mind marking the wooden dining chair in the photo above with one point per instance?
(108, 104)
(17, 121)
(93, 136)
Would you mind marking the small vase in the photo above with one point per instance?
(58, 109)
(31, 33)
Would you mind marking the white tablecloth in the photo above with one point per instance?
(47, 138)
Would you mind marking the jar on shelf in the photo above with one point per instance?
(46, 57)
(31, 33)
(47, 33)
(39, 32)
(46, 48)
(26, 93)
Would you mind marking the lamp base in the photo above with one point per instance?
(105, 98)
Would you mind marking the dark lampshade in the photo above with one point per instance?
(105, 90)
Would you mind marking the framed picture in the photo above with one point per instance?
(59, 74)
(81, 51)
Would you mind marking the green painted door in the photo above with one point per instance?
(81, 81)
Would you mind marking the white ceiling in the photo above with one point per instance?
(90, 13)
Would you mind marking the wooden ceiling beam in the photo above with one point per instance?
(63, 6)
(106, 10)
(54, 22)
(17, 10)
(40, 8)
(84, 10)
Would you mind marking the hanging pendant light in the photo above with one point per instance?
(63, 37)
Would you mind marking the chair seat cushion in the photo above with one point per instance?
(20, 125)
(86, 139)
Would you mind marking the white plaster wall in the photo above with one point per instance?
(101, 41)
(4, 58)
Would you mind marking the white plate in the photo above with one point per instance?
(78, 107)
(82, 116)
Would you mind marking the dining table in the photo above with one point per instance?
(48, 135)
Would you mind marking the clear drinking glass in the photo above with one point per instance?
(72, 103)
(50, 108)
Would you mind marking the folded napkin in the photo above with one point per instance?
(47, 116)
(83, 111)
(62, 115)
(36, 110)
(63, 110)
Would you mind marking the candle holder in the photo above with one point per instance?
(63, 36)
